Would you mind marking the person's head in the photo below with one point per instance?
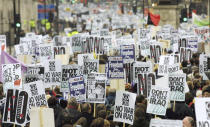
(184, 63)
(140, 99)
(52, 102)
(188, 98)
(101, 114)
(63, 103)
(198, 76)
(112, 92)
(188, 122)
(72, 103)
(190, 85)
(196, 84)
(99, 122)
(206, 91)
(100, 107)
(86, 107)
(106, 123)
(81, 121)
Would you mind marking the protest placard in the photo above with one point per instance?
(45, 52)
(115, 68)
(11, 75)
(76, 43)
(3, 43)
(70, 71)
(158, 100)
(166, 60)
(124, 107)
(57, 40)
(42, 117)
(155, 52)
(96, 88)
(34, 74)
(82, 57)
(141, 68)
(52, 75)
(193, 43)
(165, 123)
(182, 43)
(202, 111)
(176, 57)
(168, 69)
(60, 50)
(15, 108)
(36, 94)
(177, 86)
(64, 87)
(93, 44)
(145, 82)
(185, 54)
(204, 66)
(90, 65)
(77, 88)
(21, 49)
(144, 47)
(128, 53)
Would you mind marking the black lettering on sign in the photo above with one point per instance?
(51, 65)
(15, 107)
(203, 124)
(182, 43)
(125, 99)
(118, 111)
(128, 113)
(59, 51)
(34, 90)
(155, 52)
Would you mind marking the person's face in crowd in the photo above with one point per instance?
(186, 122)
(206, 94)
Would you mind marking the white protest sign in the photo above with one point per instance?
(115, 68)
(90, 65)
(141, 67)
(128, 53)
(204, 66)
(76, 43)
(96, 88)
(77, 88)
(145, 82)
(11, 75)
(45, 52)
(168, 69)
(193, 43)
(3, 44)
(155, 52)
(158, 100)
(64, 87)
(202, 111)
(15, 108)
(34, 73)
(70, 71)
(82, 57)
(177, 86)
(42, 117)
(166, 60)
(124, 107)
(61, 50)
(185, 54)
(21, 49)
(52, 75)
(36, 94)
(165, 123)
